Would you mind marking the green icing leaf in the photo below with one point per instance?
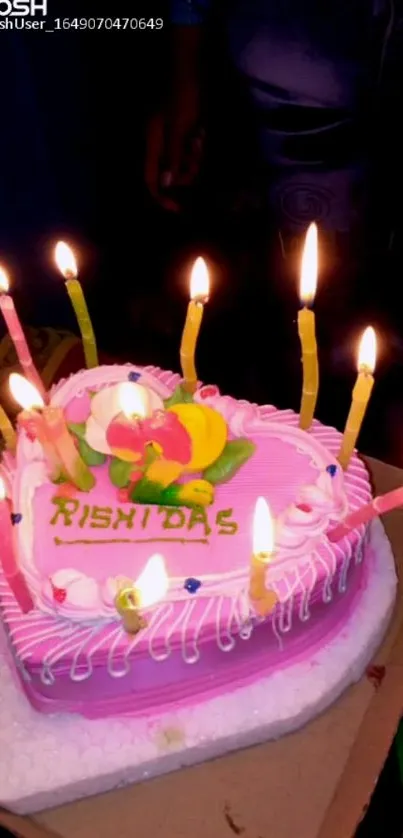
(235, 454)
(78, 429)
(90, 457)
(119, 472)
(147, 491)
(179, 396)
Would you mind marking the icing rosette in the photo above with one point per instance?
(72, 594)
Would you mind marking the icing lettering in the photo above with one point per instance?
(124, 517)
(101, 517)
(188, 524)
(66, 507)
(145, 518)
(198, 515)
(174, 518)
(86, 512)
(226, 527)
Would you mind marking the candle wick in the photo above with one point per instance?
(200, 299)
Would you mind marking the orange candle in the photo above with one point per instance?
(361, 395)
(306, 329)
(263, 599)
(199, 293)
(51, 431)
(150, 587)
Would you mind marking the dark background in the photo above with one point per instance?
(74, 106)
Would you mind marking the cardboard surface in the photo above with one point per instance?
(314, 783)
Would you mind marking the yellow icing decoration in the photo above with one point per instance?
(207, 430)
(198, 492)
(164, 472)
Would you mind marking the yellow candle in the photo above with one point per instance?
(150, 587)
(199, 292)
(361, 395)
(67, 265)
(7, 431)
(263, 599)
(306, 329)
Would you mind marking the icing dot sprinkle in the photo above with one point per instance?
(304, 507)
(331, 470)
(16, 518)
(134, 376)
(59, 594)
(192, 585)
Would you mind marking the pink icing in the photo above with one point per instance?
(74, 649)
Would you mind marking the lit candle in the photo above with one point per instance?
(378, 506)
(263, 599)
(150, 587)
(17, 335)
(7, 431)
(132, 400)
(67, 265)
(11, 570)
(31, 419)
(199, 293)
(50, 428)
(306, 328)
(361, 395)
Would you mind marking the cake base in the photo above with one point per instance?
(52, 760)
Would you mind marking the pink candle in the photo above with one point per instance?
(380, 505)
(58, 435)
(11, 570)
(17, 335)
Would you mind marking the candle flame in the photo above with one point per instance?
(309, 266)
(263, 529)
(131, 400)
(2, 489)
(65, 260)
(367, 351)
(24, 392)
(4, 283)
(199, 280)
(152, 584)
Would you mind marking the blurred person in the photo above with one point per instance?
(311, 71)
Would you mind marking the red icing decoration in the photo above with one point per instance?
(304, 507)
(209, 391)
(59, 594)
(123, 496)
(162, 427)
(67, 490)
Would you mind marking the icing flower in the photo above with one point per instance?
(105, 407)
(128, 438)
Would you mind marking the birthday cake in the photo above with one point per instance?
(133, 588)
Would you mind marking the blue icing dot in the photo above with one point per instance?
(16, 518)
(331, 470)
(134, 376)
(192, 585)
